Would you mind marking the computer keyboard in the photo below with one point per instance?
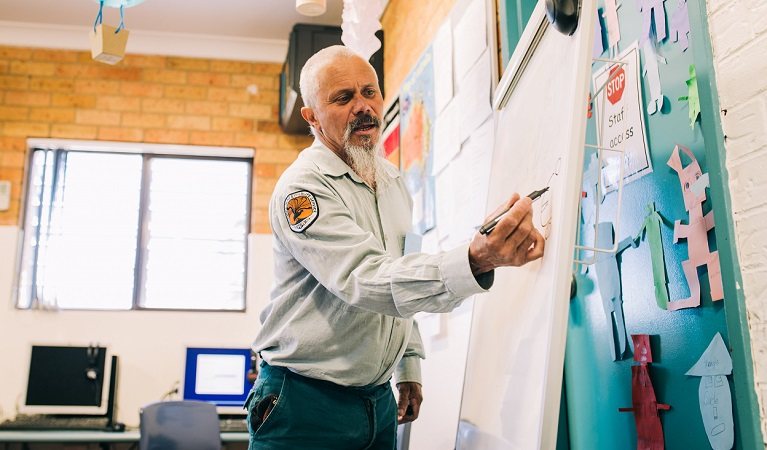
(49, 422)
(233, 425)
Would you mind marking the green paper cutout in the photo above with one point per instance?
(692, 96)
(651, 231)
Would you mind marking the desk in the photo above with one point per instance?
(103, 438)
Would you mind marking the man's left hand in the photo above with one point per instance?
(409, 403)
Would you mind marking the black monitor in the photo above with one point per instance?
(218, 376)
(68, 380)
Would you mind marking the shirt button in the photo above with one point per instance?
(397, 322)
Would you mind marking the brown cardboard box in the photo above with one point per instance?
(106, 45)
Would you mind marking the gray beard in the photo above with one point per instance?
(367, 160)
(368, 163)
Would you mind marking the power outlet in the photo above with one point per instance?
(5, 195)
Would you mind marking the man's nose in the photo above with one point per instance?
(361, 105)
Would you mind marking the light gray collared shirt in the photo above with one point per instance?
(344, 295)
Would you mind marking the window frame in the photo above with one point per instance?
(148, 152)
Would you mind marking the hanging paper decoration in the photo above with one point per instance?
(591, 194)
(598, 46)
(650, 231)
(359, 25)
(714, 393)
(651, 74)
(652, 10)
(679, 27)
(108, 43)
(644, 404)
(613, 26)
(694, 183)
(692, 96)
(609, 280)
(120, 3)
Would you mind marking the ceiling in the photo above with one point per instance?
(228, 23)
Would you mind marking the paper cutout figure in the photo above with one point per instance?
(714, 393)
(609, 280)
(591, 177)
(650, 72)
(598, 46)
(652, 9)
(692, 96)
(613, 28)
(679, 26)
(644, 404)
(696, 231)
(651, 232)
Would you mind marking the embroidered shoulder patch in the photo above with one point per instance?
(301, 210)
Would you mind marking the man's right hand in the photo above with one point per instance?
(513, 242)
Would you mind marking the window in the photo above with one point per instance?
(118, 227)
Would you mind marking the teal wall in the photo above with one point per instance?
(596, 386)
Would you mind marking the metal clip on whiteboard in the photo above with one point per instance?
(622, 151)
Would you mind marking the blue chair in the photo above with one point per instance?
(179, 425)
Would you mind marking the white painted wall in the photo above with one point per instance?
(739, 39)
(151, 344)
(446, 341)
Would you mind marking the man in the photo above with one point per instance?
(339, 322)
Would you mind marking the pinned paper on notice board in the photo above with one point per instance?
(609, 281)
(680, 25)
(651, 232)
(593, 195)
(598, 46)
(613, 27)
(651, 74)
(652, 11)
(620, 121)
(644, 403)
(714, 394)
(693, 183)
(692, 96)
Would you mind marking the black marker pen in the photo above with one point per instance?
(488, 227)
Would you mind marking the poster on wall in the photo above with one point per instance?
(390, 137)
(417, 114)
(620, 120)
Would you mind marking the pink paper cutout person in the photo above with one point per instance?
(652, 9)
(694, 183)
(680, 25)
(613, 26)
(644, 404)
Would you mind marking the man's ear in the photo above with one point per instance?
(309, 116)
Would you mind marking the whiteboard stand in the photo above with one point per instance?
(515, 358)
(600, 149)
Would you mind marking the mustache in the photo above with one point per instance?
(365, 119)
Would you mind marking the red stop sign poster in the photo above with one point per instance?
(616, 85)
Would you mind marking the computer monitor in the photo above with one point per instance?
(68, 380)
(219, 376)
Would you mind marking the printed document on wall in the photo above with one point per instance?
(620, 120)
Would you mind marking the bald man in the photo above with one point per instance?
(339, 324)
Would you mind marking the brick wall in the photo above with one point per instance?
(153, 99)
(739, 39)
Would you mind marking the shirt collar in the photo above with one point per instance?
(330, 164)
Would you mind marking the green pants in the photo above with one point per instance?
(304, 413)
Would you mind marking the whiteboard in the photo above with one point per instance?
(513, 379)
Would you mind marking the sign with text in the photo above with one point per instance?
(620, 120)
